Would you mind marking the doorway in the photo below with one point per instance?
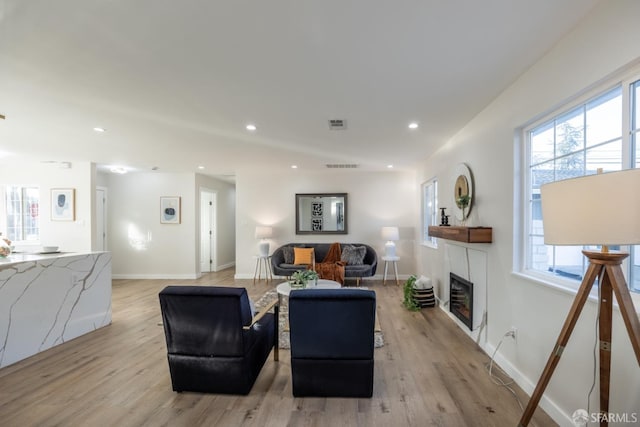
(208, 232)
(101, 219)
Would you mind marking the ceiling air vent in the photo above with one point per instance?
(337, 124)
(342, 166)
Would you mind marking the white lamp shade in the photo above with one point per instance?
(263, 232)
(601, 209)
(390, 233)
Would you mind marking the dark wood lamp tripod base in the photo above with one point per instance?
(606, 266)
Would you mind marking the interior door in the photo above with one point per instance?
(207, 231)
(101, 219)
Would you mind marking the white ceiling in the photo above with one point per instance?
(175, 82)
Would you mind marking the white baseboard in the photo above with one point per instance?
(155, 276)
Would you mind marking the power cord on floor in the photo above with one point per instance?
(499, 381)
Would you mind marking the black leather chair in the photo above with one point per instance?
(332, 341)
(213, 343)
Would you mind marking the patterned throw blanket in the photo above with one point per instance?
(331, 267)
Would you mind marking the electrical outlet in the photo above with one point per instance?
(513, 333)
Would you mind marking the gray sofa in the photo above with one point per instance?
(366, 269)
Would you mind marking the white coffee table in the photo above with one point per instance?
(285, 288)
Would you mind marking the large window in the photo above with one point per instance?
(578, 141)
(429, 210)
(23, 213)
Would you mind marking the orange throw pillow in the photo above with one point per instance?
(303, 255)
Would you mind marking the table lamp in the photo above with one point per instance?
(263, 233)
(390, 234)
(602, 209)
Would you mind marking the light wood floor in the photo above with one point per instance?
(429, 373)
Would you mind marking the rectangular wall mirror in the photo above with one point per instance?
(321, 213)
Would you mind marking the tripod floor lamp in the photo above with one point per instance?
(601, 209)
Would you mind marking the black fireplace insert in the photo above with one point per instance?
(461, 299)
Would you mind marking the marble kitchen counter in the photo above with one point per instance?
(47, 299)
(17, 257)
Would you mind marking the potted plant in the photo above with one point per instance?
(409, 301)
(463, 203)
(300, 278)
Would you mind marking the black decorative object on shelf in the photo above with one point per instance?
(444, 219)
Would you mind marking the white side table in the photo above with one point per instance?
(262, 260)
(387, 260)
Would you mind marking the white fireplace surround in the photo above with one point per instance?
(471, 264)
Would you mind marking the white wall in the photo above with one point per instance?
(141, 246)
(70, 236)
(144, 248)
(603, 43)
(375, 199)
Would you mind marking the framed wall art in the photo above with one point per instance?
(170, 210)
(63, 204)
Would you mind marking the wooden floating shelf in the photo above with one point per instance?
(462, 234)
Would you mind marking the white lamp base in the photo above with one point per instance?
(390, 249)
(263, 249)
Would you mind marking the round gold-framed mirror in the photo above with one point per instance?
(462, 191)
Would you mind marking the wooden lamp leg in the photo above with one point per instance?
(627, 310)
(578, 303)
(607, 266)
(604, 332)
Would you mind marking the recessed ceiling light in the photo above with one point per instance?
(413, 125)
(97, 129)
(390, 166)
(294, 166)
(200, 167)
(251, 127)
(118, 169)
